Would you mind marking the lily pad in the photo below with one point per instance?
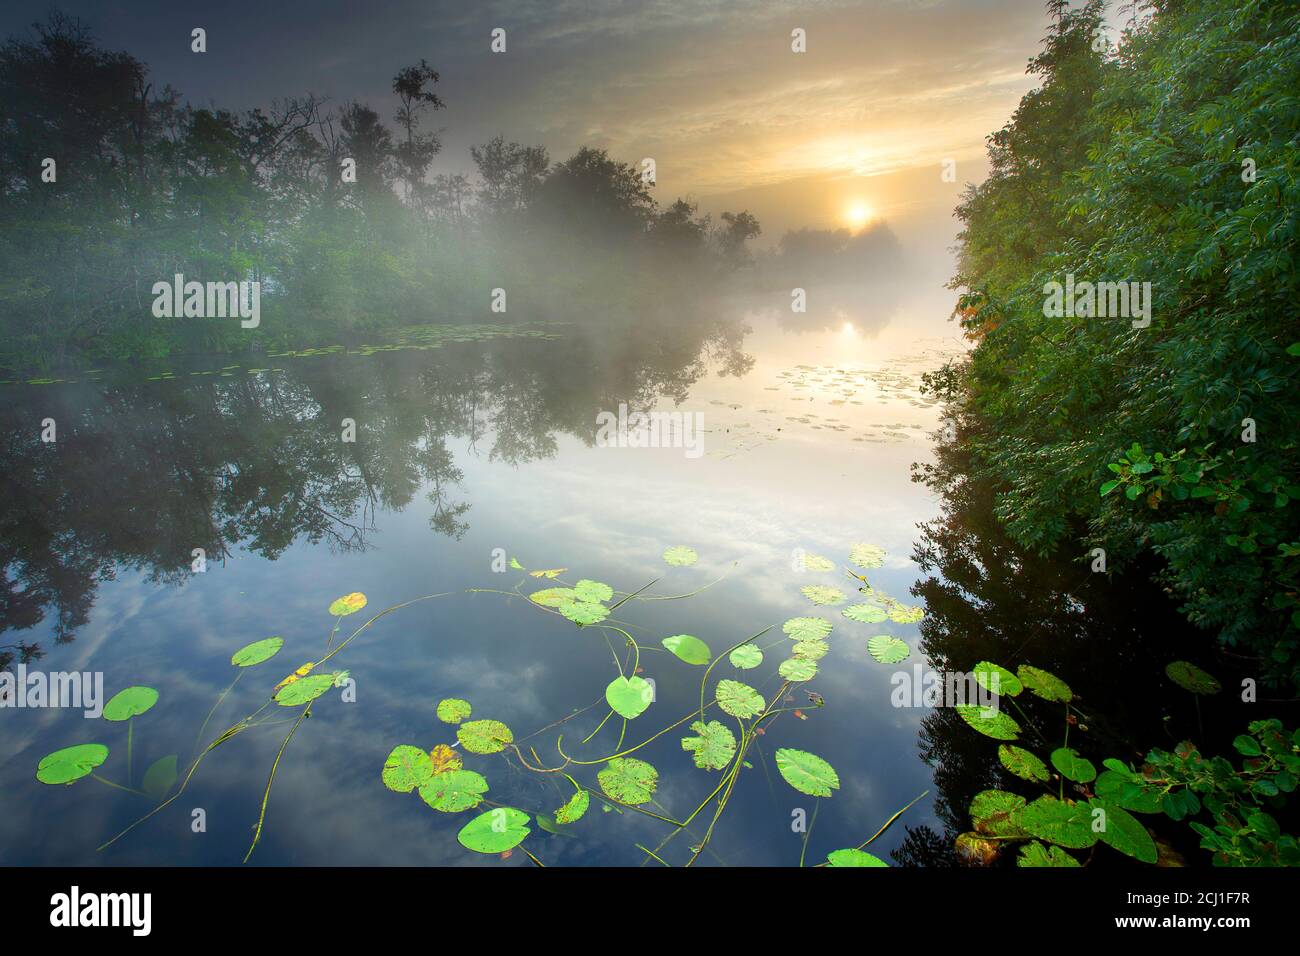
(905, 614)
(629, 780)
(1045, 685)
(1072, 766)
(593, 592)
(1191, 678)
(445, 759)
(573, 810)
(816, 563)
(554, 597)
(160, 777)
(690, 649)
(811, 650)
(453, 710)
(1054, 821)
(714, 746)
(454, 790)
(807, 628)
(746, 657)
(1035, 854)
(680, 556)
(798, 669)
(406, 768)
(348, 604)
(70, 763)
(991, 811)
(584, 612)
(304, 690)
(1124, 832)
(739, 700)
(853, 857)
(867, 556)
(991, 723)
(823, 594)
(629, 696)
(129, 703)
(497, 830)
(865, 613)
(888, 649)
(807, 773)
(257, 652)
(484, 736)
(1023, 764)
(997, 679)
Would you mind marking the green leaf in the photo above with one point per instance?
(130, 703)
(1023, 764)
(690, 649)
(1072, 766)
(1123, 831)
(406, 768)
(815, 562)
(991, 812)
(584, 612)
(888, 649)
(484, 736)
(823, 594)
(629, 696)
(746, 657)
(454, 790)
(304, 690)
(739, 700)
(865, 613)
(160, 777)
(629, 780)
(811, 650)
(680, 556)
(997, 679)
(1108, 487)
(1045, 685)
(1051, 820)
(807, 628)
(905, 614)
(70, 763)
(714, 746)
(1035, 854)
(257, 652)
(807, 772)
(574, 808)
(798, 669)
(497, 830)
(592, 591)
(867, 556)
(1191, 678)
(348, 604)
(995, 724)
(554, 597)
(853, 857)
(453, 710)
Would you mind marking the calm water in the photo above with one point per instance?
(465, 447)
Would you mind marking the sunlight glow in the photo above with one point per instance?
(857, 215)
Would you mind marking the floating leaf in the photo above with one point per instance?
(497, 830)
(444, 759)
(1124, 832)
(1045, 685)
(975, 850)
(406, 768)
(746, 657)
(515, 565)
(1035, 854)
(989, 722)
(257, 652)
(454, 791)
(815, 562)
(807, 628)
(997, 679)
(1191, 678)
(573, 810)
(797, 669)
(680, 556)
(807, 773)
(888, 649)
(629, 696)
(304, 691)
(1023, 763)
(1051, 820)
(991, 811)
(811, 650)
(905, 614)
(690, 649)
(629, 780)
(129, 703)
(554, 597)
(714, 747)
(70, 763)
(739, 700)
(484, 736)
(297, 675)
(584, 612)
(453, 710)
(853, 857)
(160, 776)
(865, 613)
(867, 556)
(550, 573)
(1072, 766)
(592, 592)
(823, 594)
(348, 604)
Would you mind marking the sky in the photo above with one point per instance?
(852, 130)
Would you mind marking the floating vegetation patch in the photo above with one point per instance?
(680, 556)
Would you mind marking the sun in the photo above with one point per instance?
(858, 214)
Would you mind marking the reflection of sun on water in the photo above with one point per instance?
(857, 215)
